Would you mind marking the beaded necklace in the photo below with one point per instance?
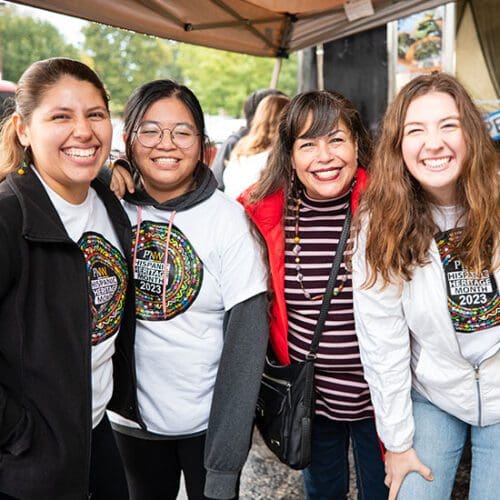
(298, 268)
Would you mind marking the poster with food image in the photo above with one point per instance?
(418, 45)
(420, 41)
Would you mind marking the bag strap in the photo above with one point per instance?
(325, 305)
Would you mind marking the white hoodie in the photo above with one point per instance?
(407, 338)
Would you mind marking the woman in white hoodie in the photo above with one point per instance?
(425, 277)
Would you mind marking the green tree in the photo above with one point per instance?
(222, 80)
(125, 60)
(24, 40)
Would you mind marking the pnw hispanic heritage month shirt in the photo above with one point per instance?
(213, 263)
(89, 226)
(473, 299)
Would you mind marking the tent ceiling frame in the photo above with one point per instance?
(162, 11)
(237, 22)
(231, 24)
(248, 25)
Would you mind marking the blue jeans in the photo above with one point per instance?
(439, 441)
(327, 477)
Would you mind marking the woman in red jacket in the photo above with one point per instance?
(299, 206)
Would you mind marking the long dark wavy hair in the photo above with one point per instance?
(326, 108)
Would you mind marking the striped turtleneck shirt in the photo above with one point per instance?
(341, 390)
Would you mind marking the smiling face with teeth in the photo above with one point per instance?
(167, 170)
(433, 145)
(325, 165)
(69, 134)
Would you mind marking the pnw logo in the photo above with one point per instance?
(107, 275)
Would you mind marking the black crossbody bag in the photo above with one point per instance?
(285, 407)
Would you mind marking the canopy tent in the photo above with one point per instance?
(272, 28)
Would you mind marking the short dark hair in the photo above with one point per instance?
(253, 100)
(145, 96)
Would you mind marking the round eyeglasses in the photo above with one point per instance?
(150, 134)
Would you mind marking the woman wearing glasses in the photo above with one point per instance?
(200, 305)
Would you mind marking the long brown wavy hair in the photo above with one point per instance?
(40, 77)
(401, 227)
(326, 108)
(264, 126)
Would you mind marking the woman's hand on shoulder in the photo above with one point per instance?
(121, 181)
(399, 465)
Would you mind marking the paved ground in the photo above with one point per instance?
(265, 478)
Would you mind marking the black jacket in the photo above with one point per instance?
(45, 343)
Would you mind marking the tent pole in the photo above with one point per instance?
(319, 66)
(300, 70)
(276, 73)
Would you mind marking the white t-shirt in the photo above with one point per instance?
(243, 171)
(472, 298)
(214, 263)
(89, 226)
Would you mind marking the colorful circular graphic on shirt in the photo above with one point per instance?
(107, 278)
(163, 295)
(473, 299)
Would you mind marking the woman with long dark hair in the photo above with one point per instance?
(300, 205)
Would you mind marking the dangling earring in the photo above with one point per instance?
(24, 164)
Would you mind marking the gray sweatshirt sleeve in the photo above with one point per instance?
(235, 395)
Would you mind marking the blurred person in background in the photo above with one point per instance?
(249, 157)
(224, 151)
